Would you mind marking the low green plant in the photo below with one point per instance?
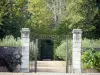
(90, 56)
(60, 51)
(10, 41)
(88, 46)
(90, 43)
(91, 59)
(31, 56)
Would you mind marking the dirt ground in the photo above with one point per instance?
(50, 66)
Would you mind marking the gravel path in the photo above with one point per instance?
(51, 66)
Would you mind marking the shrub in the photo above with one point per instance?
(91, 59)
(31, 56)
(10, 41)
(90, 54)
(10, 52)
(90, 43)
(10, 57)
(60, 51)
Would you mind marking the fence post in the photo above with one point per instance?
(67, 65)
(25, 49)
(35, 54)
(76, 51)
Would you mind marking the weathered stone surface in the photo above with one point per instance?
(76, 51)
(25, 49)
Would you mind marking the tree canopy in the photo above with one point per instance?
(12, 17)
(50, 17)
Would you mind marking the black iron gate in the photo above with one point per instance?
(44, 45)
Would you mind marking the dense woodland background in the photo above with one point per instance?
(50, 17)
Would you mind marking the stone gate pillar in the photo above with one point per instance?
(25, 49)
(76, 51)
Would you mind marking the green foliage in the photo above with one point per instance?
(13, 17)
(90, 43)
(81, 13)
(41, 16)
(39, 22)
(14, 46)
(91, 59)
(62, 28)
(60, 51)
(10, 41)
(31, 56)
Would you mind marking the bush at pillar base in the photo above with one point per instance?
(91, 59)
(10, 57)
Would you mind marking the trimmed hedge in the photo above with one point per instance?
(60, 51)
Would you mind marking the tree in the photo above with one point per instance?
(12, 17)
(58, 9)
(49, 16)
(80, 14)
(40, 20)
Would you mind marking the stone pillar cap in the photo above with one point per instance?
(25, 30)
(77, 31)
